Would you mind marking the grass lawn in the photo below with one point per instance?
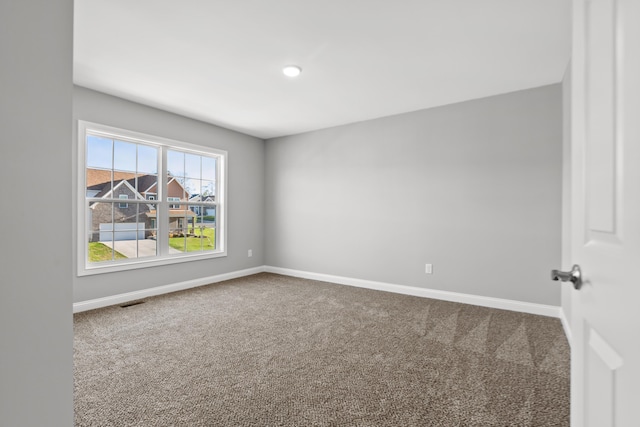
(195, 244)
(99, 252)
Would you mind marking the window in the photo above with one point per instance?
(145, 200)
(174, 199)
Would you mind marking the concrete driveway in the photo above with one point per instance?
(146, 248)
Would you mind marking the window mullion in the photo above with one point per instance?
(162, 235)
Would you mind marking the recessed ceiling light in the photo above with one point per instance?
(292, 70)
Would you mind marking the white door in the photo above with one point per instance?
(605, 215)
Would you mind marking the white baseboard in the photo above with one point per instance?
(159, 290)
(565, 325)
(503, 304)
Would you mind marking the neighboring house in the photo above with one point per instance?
(132, 220)
(201, 210)
(179, 215)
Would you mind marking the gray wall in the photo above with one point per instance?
(474, 188)
(245, 215)
(36, 333)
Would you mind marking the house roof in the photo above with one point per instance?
(98, 178)
(103, 181)
(199, 198)
(106, 190)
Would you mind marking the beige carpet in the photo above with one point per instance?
(271, 350)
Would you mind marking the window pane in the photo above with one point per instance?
(209, 168)
(208, 233)
(147, 213)
(123, 211)
(103, 251)
(98, 182)
(192, 187)
(191, 230)
(100, 213)
(175, 163)
(206, 228)
(132, 235)
(209, 214)
(99, 152)
(127, 227)
(147, 159)
(176, 190)
(147, 184)
(151, 230)
(177, 232)
(192, 166)
(101, 235)
(150, 218)
(208, 189)
(124, 156)
(147, 248)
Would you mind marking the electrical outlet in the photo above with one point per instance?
(250, 253)
(428, 268)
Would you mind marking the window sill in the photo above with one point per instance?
(125, 265)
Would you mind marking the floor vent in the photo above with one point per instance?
(129, 304)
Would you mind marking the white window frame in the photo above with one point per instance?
(123, 197)
(164, 257)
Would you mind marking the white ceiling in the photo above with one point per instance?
(220, 60)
